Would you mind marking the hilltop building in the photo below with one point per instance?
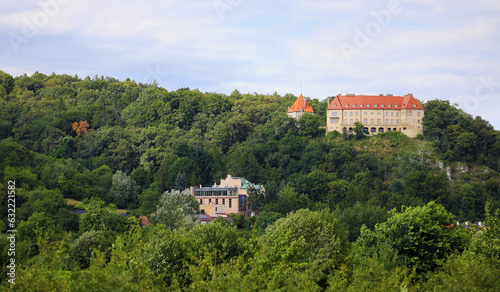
(377, 113)
(299, 107)
(227, 198)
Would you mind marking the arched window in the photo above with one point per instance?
(373, 130)
(380, 130)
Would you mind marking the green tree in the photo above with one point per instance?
(177, 209)
(422, 236)
(123, 190)
(316, 239)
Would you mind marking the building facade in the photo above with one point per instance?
(377, 113)
(229, 197)
(299, 108)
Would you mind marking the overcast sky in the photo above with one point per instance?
(434, 49)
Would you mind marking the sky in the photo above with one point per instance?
(447, 49)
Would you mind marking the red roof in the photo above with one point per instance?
(144, 220)
(375, 102)
(300, 104)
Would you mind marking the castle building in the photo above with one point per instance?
(299, 107)
(377, 113)
(230, 197)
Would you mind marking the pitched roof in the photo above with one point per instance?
(352, 101)
(144, 220)
(300, 104)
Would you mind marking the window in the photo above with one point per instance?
(356, 120)
(335, 105)
(368, 105)
(397, 114)
(376, 105)
(392, 114)
(346, 105)
(365, 121)
(378, 121)
(414, 105)
(392, 121)
(350, 114)
(396, 105)
(386, 114)
(372, 121)
(382, 105)
(210, 201)
(334, 114)
(223, 201)
(345, 122)
(230, 205)
(201, 201)
(418, 121)
(350, 121)
(361, 105)
(408, 113)
(356, 114)
(372, 113)
(419, 114)
(217, 201)
(389, 105)
(334, 121)
(397, 121)
(387, 121)
(353, 105)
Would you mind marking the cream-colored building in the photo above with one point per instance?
(230, 197)
(377, 113)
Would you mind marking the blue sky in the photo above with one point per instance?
(434, 49)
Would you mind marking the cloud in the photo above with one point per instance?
(432, 49)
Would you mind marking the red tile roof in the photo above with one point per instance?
(144, 220)
(300, 104)
(374, 102)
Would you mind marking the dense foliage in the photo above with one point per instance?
(340, 211)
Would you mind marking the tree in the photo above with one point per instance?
(81, 128)
(95, 216)
(422, 236)
(176, 209)
(312, 238)
(123, 189)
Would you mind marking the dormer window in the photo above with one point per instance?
(354, 105)
(389, 105)
(382, 105)
(346, 105)
(414, 105)
(396, 105)
(368, 105)
(335, 105)
(376, 105)
(361, 105)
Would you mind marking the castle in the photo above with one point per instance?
(377, 113)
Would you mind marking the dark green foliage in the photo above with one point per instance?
(422, 236)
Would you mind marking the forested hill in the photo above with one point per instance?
(120, 144)
(70, 135)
